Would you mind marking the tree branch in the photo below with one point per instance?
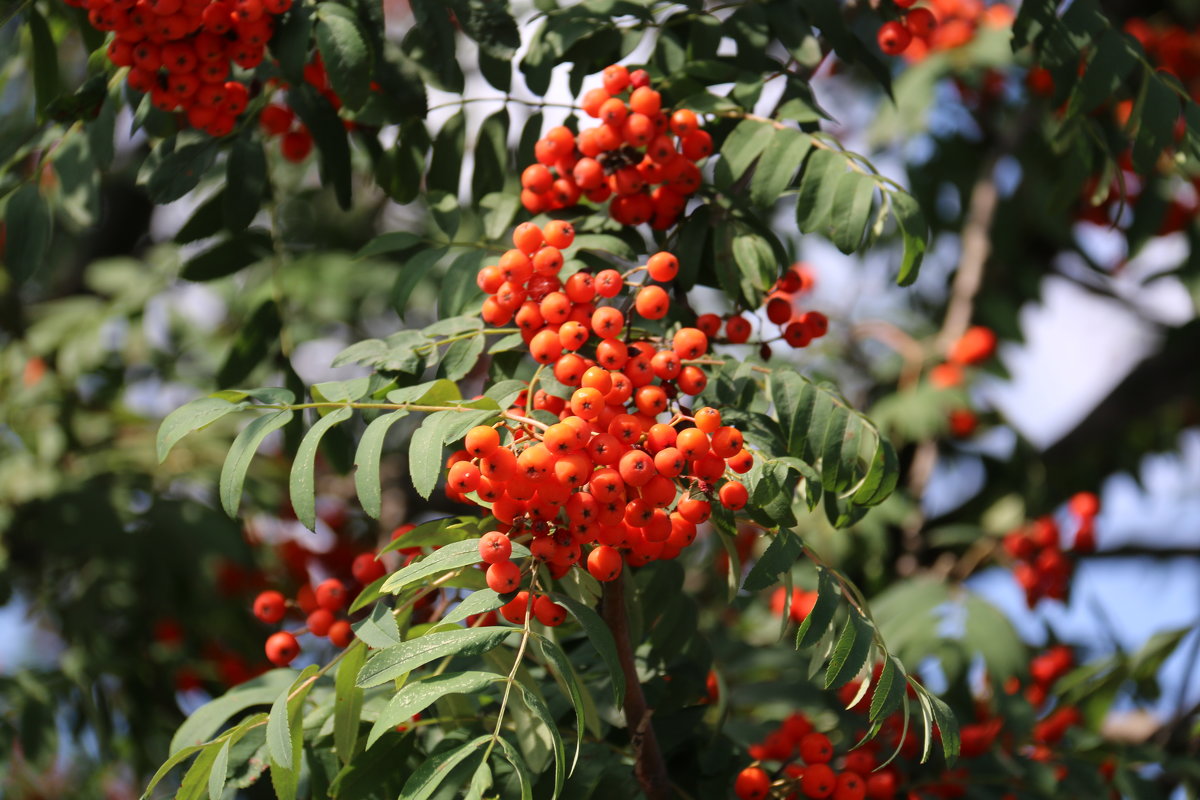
(649, 767)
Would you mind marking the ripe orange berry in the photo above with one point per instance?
(733, 496)
(559, 233)
(515, 610)
(707, 419)
(604, 563)
(503, 577)
(282, 648)
(752, 783)
(341, 634)
(663, 267)
(683, 122)
(494, 547)
(607, 322)
(691, 380)
(616, 78)
(608, 283)
(920, 22)
(689, 343)
(696, 145)
(597, 378)
(815, 748)
(636, 468)
(548, 612)
(270, 606)
(367, 569)
(545, 347)
(464, 477)
(319, 622)
(652, 302)
(645, 100)
(593, 100)
(893, 38)
(727, 441)
(481, 441)
(537, 178)
(818, 781)
(737, 329)
(331, 594)
(528, 237)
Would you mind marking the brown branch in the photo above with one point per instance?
(649, 767)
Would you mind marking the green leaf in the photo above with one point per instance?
(174, 169)
(491, 156)
(415, 697)
(851, 210)
(425, 458)
(757, 265)
(245, 182)
(818, 184)
(915, 232)
(204, 722)
(1159, 111)
(292, 42)
(460, 290)
(394, 242)
(329, 135)
(431, 44)
(241, 453)
(438, 392)
(366, 462)
(479, 602)
(348, 702)
(602, 639)
(448, 148)
(780, 555)
(46, 82)
(430, 773)
(491, 26)
(191, 417)
(176, 758)
(519, 766)
(219, 773)
(29, 225)
(499, 211)
(817, 622)
(345, 53)
(566, 678)
(778, 165)
(1114, 57)
(793, 398)
(302, 482)
(537, 707)
(228, 256)
(505, 392)
(889, 690)
(394, 661)
(948, 726)
(285, 742)
(196, 780)
(926, 720)
(744, 144)
(444, 559)
(413, 272)
(461, 357)
(851, 651)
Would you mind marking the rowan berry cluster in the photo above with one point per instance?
(797, 329)
(939, 25)
(628, 472)
(180, 51)
(821, 775)
(1043, 569)
(320, 606)
(975, 346)
(641, 157)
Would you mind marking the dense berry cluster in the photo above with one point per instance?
(641, 157)
(810, 767)
(180, 51)
(1043, 569)
(321, 606)
(796, 328)
(939, 25)
(628, 472)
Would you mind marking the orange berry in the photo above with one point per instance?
(733, 496)
(663, 267)
(645, 100)
(559, 233)
(481, 441)
(707, 419)
(527, 238)
(652, 302)
(616, 78)
(683, 122)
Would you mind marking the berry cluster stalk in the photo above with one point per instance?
(649, 767)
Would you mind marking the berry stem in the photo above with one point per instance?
(649, 767)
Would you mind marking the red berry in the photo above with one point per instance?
(367, 569)
(752, 783)
(270, 606)
(495, 547)
(282, 648)
(331, 594)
